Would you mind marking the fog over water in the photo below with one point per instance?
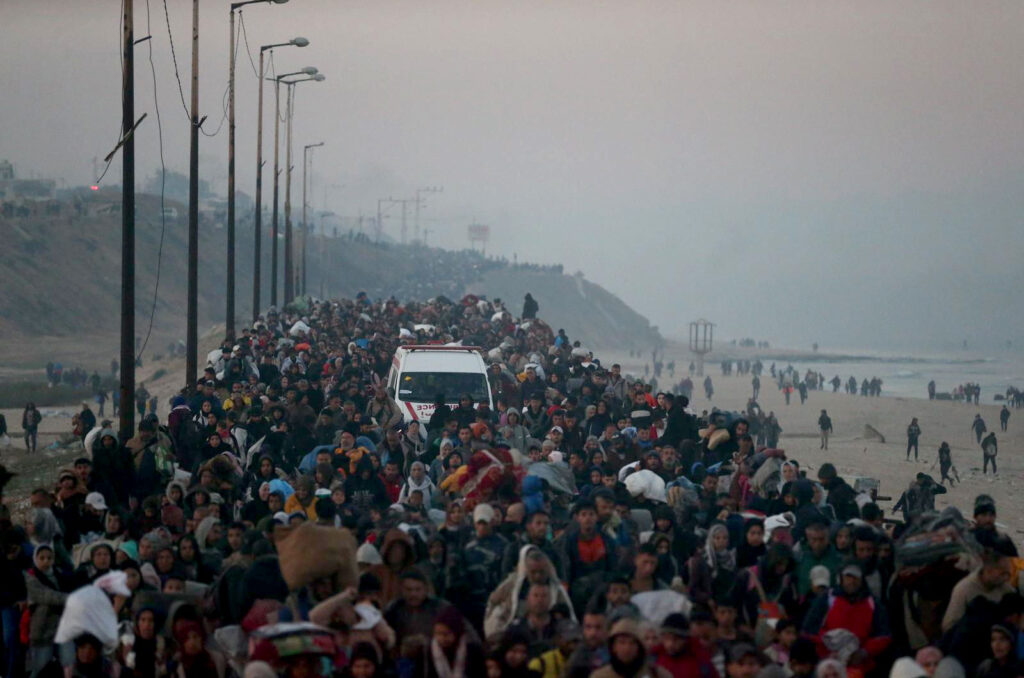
(847, 173)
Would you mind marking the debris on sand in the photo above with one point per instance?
(873, 433)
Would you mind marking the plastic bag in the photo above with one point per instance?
(88, 610)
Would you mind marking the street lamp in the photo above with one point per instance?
(305, 163)
(308, 70)
(289, 264)
(258, 221)
(230, 320)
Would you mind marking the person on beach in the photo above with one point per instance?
(978, 426)
(945, 462)
(825, 426)
(709, 387)
(913, 434)
(1004, 418)
(989, 450)
(30, 419)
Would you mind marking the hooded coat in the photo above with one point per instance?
(390, 576)
(504, 603)
(640, 667)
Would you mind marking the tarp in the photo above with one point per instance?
(559, 476)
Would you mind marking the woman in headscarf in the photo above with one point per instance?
(437, 466)
(843, 539)
(113, 528)
(44, 528)
(596, 424)
(263, 473)
(192, 657)
(47, 593)
(451, 653)
(769, 582)
(413, 446)
(712, 571)
(304, 499)
(418, 480)
(752, 544)
(190, 560)
(515, 433)
(256, 508)
(101, 561)
(146, 656)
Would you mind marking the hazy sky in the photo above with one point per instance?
(841, 172)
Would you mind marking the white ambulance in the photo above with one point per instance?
(420, 373)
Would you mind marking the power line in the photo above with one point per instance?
(120, 55)
(174, 58)
(248, 51)
(163, 183)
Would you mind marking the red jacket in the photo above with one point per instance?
(694, 662)
(862, 615)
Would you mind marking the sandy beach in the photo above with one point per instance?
(853, 454)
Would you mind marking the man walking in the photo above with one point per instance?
(913, 433)
(1004, 417)
(825, 425)
(989, 449)
(978, 426)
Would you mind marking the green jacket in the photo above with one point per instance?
(807, 560)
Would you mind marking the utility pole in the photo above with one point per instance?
(419, 202)
(289, 264)
(305, 227)
(289, 281)
(298, 42)
(192, 333)
(380, 224)
(229, 322)
(127, 385)
(258, 220)
(277, 173)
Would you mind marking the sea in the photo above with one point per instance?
(908, 377)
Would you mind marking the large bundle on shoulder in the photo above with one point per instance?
(937, 537)
(310, 552)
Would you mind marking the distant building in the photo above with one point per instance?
(20, 191)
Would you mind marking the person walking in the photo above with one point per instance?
(825, 425)
(945, 462)
(978, 426)
(913, 434)
(989, 450)
(30, 419)
(709, 387)
(1004, 418)
(141, 399)
(756, 383)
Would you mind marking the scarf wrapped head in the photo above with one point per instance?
(724, 559)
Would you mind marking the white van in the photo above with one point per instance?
(419, 373)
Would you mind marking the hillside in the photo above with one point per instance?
(585, 310)
(60, 272)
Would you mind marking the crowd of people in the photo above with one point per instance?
(287, 519)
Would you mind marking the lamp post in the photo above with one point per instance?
(258, 220)
(308, 70)
(305, 163)
(230, 292)
(192, 304)
(289, 263)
